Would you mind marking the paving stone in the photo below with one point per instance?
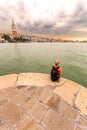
(8, 81)
(2, 127)
(29, 104)
(3, 102)
(38, 111)
(67, 110)
(47, 97)
(34, 92)
(20, 98)
(78, 128)
(81, 101)
(54, 121)
(3, 99)
(10, 92)
(1, 95)
(67, 91)
(53, 102)
(83, 121)
(11, 114)
(28, 124)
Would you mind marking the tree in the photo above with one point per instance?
(20, 39)
(6, 37)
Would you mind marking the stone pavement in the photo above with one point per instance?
(30, 101)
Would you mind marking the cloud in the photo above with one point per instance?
(18, 12)
(77, 21)
(55, 23)
(63, 24)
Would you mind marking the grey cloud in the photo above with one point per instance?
(3, 18)
(73, 22)
(22, 17)
(80, 16)
(18, 12)
(42, 27)
(76, 20)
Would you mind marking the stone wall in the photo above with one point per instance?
(41, 104)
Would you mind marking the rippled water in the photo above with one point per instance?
(39, 57)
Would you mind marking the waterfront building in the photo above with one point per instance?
(1, 37)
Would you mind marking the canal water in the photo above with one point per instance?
(39, 57)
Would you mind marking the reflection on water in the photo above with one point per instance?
(39, 57)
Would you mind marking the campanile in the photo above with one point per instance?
(14, 30)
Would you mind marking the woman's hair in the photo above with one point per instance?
(57, 62)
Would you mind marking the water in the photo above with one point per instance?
(39, 57)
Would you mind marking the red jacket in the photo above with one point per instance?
(59, 70)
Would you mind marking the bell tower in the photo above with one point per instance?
(14, 31)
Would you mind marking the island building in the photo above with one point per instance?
(1, 37)
(32, 38)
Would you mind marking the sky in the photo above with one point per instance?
(65, 19)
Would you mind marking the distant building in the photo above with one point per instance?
(1, 37)
(14, 30)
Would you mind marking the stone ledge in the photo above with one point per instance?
(37, 79)
(67, 91)
(75, 95)
(59, 101)
(28, 124)
(67, 110)
(81, 101)
(8, 80)
(54, 121)
(11, 113)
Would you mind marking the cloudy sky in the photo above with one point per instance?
(65, 19)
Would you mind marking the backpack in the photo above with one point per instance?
(54, 74)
